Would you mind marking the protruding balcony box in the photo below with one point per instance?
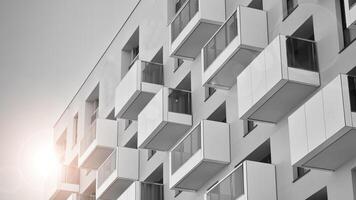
(202, 153)
(322, 131)
(248, 181)
(117, 173)
(137, 88)
(278, 79)
(193, 26)
(143, 191)
(165, 119)
(350, 13)
(63, 184)
(98, 144)
(242, 37)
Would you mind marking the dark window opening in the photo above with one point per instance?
(349, 34)
(177, 193)
(352, 92)
(177, 63)
(320, 195)
(262, 153)
(156, 176)
(256, 4)
(288, 7)
(306, 30)
(299, 172)
(352, 3)
(130, 52)
(179, 4)
(219, 114)
(249, 126)
(150, 153)
(209, 91)
(185, 84)
(132, 143)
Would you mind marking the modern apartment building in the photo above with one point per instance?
(216, 100)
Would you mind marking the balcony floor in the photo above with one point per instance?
(136, 106)
(94, 156)
(274, 108)
(115, 189)
(199, 176)
(329, 158)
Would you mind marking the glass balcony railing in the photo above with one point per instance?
(220, 40)
(88, 138)
(180, 21)
(301, 54)
(186, 149)
(152, 73)
(352, 92)
(107, 168)
(179, 101)
(152, 191)
(232, 187)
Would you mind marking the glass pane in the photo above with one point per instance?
(107, 168)
(179, 101)
(301, 54)
(152, 73)
(352, 92)
(230, 188)
(186, 149)
(151, 191)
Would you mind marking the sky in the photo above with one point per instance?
(47, 48)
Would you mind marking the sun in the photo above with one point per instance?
(44, 161)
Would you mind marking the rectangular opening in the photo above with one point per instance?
(186, 149)
(301, 54)
(352, 3)
(261, 153)
(248, 126)
(130, 52)
(209, 91)
(177, 63)
(256, 4)
(150, 153)
(75, 130)
(320, 195)
(132, 143)
(156, 176)
(288, 7)
(299, 172)
(179, 101)
(152, 191)
(352, 92)
(348, 34)
(219, 114)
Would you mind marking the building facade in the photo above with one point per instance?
(216, 100)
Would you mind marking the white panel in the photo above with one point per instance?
(125, 156)
(253, 27)
(130, 192)
(106, 131)
(333, 107)
(298, 135)
(244, 91)
(315, 121)
(261, 182)
(273, 63)
(258, 76)
(126, 89)
(212, 10)
(150, 117)
(216, 141)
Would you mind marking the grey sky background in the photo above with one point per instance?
(47, 48)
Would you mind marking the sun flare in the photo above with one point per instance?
(45, 162)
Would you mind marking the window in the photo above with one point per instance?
(256, 4)
(128, 122)
(150, 153)
(299, 172)
(177, 193)
(320, 195)
(209, 91)
(94, 114)
(349, 34)
(75, 130)
(288, 7)
(179, 4)
(249, 126)
(177, 63)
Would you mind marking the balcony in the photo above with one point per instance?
(350, 13)
(280, 78)
(137, 88)
(322, 131)
(63, 184)
(117, 173)
(98, 143)
(143, 191)
(202, 153)
(248, 181)
(193, 25)
(81, 197)
(165, 119)
(242, 37)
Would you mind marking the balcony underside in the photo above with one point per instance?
(193, 37)
(221, 74)
(199, 176)
(135, 105)
(64, 191)
(94, 156)
(279, 101)
(333, 153)
(115, 189)
(165, 136)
